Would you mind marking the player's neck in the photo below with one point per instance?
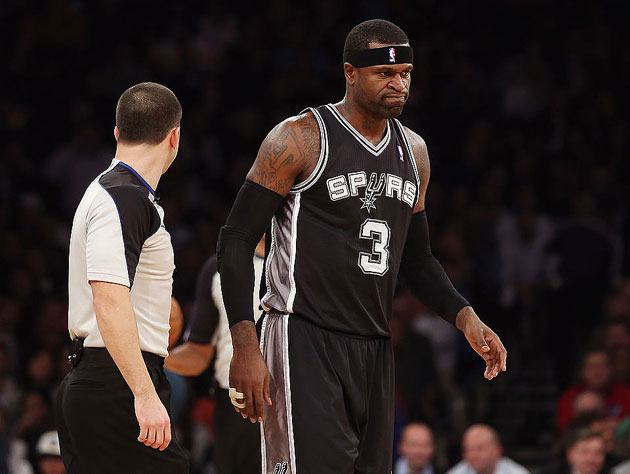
(372, 128)
(146, 160)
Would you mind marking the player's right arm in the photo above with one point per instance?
(287, 156)
(194, 355)
(189, 359)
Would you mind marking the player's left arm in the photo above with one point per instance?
(429, 282)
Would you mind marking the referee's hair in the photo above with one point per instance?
(374, 31)
(146, 112)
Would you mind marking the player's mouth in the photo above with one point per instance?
(398, 99)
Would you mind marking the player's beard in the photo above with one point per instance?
(381, 108)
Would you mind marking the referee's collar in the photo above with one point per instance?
(148, 186)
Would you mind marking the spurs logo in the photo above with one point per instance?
(281, 468)
(391, 186)
(374, 189)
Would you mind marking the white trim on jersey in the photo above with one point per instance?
(294, 223)
(411, 155)
(376, 150)
(287, 391)
(263, 446)
(272, 249)
(322, 160)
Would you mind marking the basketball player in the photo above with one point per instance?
(208, 331)
(112, 408)
(343, 186)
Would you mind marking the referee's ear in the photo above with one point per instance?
(174, 137)
(116, 132)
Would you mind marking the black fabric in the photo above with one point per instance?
(139, 218)
(233, 437)
(343, 229)
(251, 213)
(205, 315)
(380, 56)
(342, 397)
(96, 420)
(424, 275)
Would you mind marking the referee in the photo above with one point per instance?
(111, 408)
(206, 334)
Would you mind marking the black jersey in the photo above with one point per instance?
(338, 237)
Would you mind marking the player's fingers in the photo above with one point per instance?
(481, 342)
(486, 373)
(501, 353)
(259, 404)
(249, 405)
(267, 391)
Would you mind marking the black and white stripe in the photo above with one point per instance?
(412, 157)
(276, 432)
(281, 291)
(323, 156)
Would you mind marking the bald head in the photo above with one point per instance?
(416, 445)
(481, 448)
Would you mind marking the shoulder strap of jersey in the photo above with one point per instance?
(403, 136)
(323, 154)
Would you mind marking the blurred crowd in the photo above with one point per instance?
(524, 107)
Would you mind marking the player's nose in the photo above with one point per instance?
(398, 83)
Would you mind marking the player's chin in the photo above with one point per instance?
(393, 111)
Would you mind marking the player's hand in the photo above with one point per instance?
(484, 341)
(248, 372)
(155, 424)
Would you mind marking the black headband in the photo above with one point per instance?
(378, 56)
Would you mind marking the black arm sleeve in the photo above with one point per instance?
(424, 275)
(251, 213)
(205, 315)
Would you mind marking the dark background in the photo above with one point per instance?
(523, 105)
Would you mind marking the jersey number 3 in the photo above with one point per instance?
(376, 262)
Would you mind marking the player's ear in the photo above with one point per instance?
(350, 72)
(116, 132)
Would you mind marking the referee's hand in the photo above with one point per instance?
(155, 424)
(248, 372)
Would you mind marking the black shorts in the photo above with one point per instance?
(236, 440)
(96, 420)
(333, 400)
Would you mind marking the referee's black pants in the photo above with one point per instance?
(236, 440)
(96, 420)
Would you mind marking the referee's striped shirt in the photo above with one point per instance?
(118, 236)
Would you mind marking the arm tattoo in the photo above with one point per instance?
(289, 151)
(419, 148)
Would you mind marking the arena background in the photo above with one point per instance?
(523, 105)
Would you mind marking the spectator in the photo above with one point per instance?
(589, 402)
(482, 453)
(416, 449)
(595, 376)
(49, 454)
(585, 453)
(604, 426)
